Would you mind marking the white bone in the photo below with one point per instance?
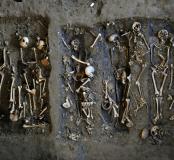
(25, 77)
(138, 80)
(171, 76)
(154, 82)
(80, 61)
(30, 104)
(13, 102)
(2, 80)
(157, 117)
(162, 86)
(171, 105)
(95, 41)
(34, 96)
(88, 80)
(19, 97)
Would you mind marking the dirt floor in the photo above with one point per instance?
(100, 145)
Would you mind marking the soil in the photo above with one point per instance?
(105, 142)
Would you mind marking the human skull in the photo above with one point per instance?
(23, 42)
(75, 44)
(40, 44)
(113, 38)
(89, 71)
(163, 35)
(155, 130)
(136, 26)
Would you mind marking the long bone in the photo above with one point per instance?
(2, 80)
(95, 41)
(24, 105)
(35, 56)
(29, 95)
(19, 97)
(164, 80)
(78, 89)
(138, 80)
(4, 58)
(30, 104)
(80, 61)
(13, 102)
(25, 77)
(22, 56)
(34, 96)
(171, 76)
(12, 86)
(40, 80)
(171, 105)
(125, 113)
(158, 98)
(157, 117)
(154, 82)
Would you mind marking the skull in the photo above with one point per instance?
(75, 44)
(136, 26)
(113, 38)
(163, 35)
(155, 131)
(40, 44)
(23, 42)
(89, 71)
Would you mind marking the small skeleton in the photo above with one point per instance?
(109, 104)
(160, 67)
